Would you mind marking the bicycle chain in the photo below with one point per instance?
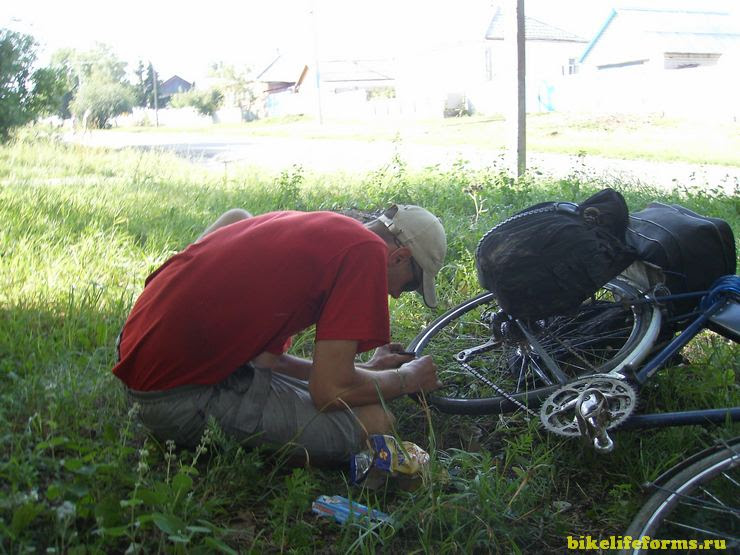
(497, 389)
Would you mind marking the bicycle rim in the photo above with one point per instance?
(697, 504)
(590, 341)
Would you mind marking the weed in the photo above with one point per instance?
(81, 230)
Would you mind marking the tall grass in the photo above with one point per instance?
(81, 230)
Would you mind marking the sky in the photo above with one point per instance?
(184, 39)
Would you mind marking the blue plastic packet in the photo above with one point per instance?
(359, 466)
(341, 509)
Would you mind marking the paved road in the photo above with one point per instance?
(360, 157)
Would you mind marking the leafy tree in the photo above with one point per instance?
(206, 102)
(97, 101)
(144, 86)
(97, 84)
(25, 94)
(238, 85)
(98, 65)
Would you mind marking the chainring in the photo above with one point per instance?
(557, 413)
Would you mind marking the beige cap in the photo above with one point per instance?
(422, 232)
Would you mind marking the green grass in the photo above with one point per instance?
(649, 137)
(81, 230)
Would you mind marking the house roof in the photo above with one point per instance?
(174, 84)
(282, 69)
(333, 71)
(534, 29)
(176, 79)
(695, 31)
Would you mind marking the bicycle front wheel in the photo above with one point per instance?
(492, 364)
(693, 510)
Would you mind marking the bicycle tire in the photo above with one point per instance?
(464, 326)
(702, 495)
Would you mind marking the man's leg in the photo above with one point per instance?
(263, 408)
(229, 217)
(289, 421)
(375, 419)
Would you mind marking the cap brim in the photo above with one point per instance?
(427, 289)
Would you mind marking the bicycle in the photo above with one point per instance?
(580, 374)
(491, 363)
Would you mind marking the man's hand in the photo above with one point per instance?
(336, 381)
(386, 357)
(420, 375)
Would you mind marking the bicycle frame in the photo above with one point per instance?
(718, 301)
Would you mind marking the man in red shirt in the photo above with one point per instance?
(209, 333)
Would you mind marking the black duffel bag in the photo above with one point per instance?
(549, 258)
(691, 249)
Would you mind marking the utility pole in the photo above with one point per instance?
(517, 114)
(316, 61)
(156, 95)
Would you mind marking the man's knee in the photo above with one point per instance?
(227, 218)
(375, 419)
(234, 215)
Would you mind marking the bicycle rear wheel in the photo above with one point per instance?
(698, 503)
(492, 364)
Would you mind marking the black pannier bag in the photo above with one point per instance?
(549, 258)
(691, 249)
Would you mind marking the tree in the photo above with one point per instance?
(205, 102)
(98, 100)
(25, 94)
(97, 84)
(62, 62)
(99, 65)
(238, 85)
(144, 86)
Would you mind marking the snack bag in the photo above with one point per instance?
(388, 455)
(406, 458)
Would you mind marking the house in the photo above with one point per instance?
(662, 38)
(683, 61)
(283, 73)
(172, 86)
(550, 52)
(372, 76)
(288, 85)
(548, 49)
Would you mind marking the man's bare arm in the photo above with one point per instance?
(285, 364)
(334, 376)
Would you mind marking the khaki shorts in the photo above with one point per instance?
(257, 407)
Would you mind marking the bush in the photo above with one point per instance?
(205, 102)
(24, 94)
(98, 101)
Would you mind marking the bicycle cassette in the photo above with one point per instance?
(558, 412)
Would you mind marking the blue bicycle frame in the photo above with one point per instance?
(719, 311)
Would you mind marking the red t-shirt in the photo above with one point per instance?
(247, 288)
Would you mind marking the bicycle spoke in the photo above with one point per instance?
(703, 531)
(521, 375)
(507, 360)
(539, 371)
(697, 501)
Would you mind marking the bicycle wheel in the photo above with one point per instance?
(492, 364)
(698, 503)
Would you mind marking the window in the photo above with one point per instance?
(489, 64)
